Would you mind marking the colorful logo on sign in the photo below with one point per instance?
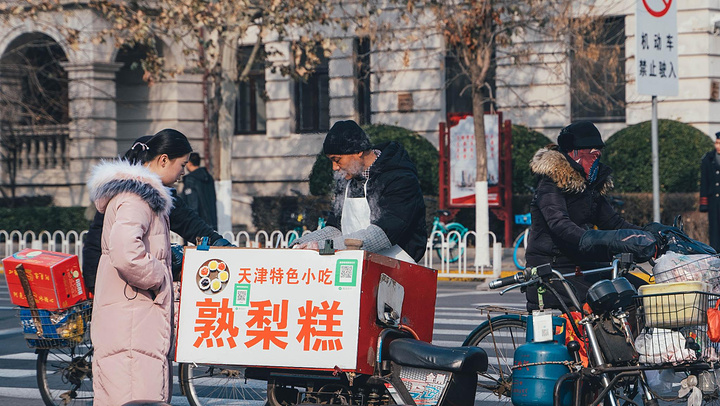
(212, 277)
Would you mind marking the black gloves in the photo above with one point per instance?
(602, 245)
(177, 259)
(660, 231)
(221, 242)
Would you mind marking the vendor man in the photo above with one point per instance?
(378, 199)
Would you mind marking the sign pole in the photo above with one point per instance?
(655, 161)
(656, 63)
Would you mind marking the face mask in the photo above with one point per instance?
(588, 159)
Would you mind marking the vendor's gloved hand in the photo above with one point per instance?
(177, 259)
(310, 245)
(221, 242)
(602, 245)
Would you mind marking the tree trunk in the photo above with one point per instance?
(482, 214)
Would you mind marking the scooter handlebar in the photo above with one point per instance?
(508, 280)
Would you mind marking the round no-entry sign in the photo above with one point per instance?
(658, 11)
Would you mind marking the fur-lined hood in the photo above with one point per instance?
(550, 162)
(110, 178)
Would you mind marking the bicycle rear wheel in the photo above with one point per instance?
(206, 385)
(64, 375)
(519, 246)
(455, 248)
(499, 338)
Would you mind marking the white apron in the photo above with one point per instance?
(356, 217)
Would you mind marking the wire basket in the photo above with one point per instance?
(56, 328)
(673, 327)
(690, 268)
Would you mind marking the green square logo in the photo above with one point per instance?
(242, 295)
(346, 272)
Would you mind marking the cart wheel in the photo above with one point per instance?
(206, 385)
(279, 395)
(64, 375)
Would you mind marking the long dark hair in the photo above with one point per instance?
(171, 142)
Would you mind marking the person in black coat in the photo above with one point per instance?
(710, 191)
(569, 203)
(378, 198)
(199, 191)
(183, 221)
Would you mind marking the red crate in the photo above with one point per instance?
(55, 278)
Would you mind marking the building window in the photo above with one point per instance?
(458, 93)
(250, 112)
(597, 84)
(312, 97)
(34, 106)
(362, 79)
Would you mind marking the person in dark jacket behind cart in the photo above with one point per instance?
(378, 199)
(710, 191)
(199, 191)
(183, 221)
(569, 202)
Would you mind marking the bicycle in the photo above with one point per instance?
(520, 243)
(614, 372)
(451, 234)
(64, 364)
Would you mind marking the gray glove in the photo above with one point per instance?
(374, 239)
(327, 233)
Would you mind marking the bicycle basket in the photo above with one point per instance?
(675, 325)
(56, 328)
(674, 267)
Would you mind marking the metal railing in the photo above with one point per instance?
(467, 265)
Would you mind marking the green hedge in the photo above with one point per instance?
(525, 143)
(39, 219)
(421, 151)
(681, 146)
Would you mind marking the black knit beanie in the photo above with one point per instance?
(580, 135)
(345, 137)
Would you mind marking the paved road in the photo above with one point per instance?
(455, 317)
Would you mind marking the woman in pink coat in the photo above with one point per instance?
(132, 317)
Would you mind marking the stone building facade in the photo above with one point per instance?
(277, 137)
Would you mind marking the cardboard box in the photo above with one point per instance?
(55, 278)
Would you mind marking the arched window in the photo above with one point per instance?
(34, 112)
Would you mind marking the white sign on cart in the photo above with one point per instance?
(262, 307)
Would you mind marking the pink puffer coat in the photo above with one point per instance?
(132, 311)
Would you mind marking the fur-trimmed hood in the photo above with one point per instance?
(110, 178)
(550, 162)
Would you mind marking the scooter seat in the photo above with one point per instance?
(419, 354)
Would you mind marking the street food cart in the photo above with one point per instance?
(296, 308)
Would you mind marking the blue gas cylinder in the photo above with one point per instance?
(533, 385)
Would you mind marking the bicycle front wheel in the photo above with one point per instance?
(207, 385)
(64, 375)
(498, 338)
